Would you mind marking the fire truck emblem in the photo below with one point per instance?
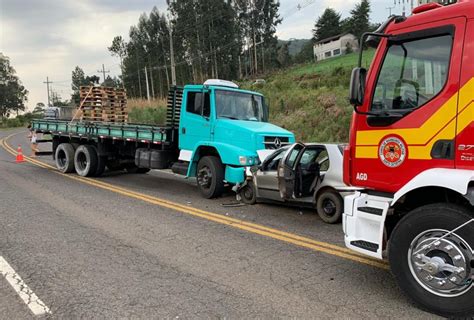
(392, 152)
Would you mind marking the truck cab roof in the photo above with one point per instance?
(219, 87)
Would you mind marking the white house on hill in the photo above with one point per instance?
(335, 46)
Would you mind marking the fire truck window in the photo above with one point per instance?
(412, 73)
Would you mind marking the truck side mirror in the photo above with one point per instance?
(357, 87)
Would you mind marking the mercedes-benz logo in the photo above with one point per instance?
(277, 143)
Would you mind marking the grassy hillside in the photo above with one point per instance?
(309, 100)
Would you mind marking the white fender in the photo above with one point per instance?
(454, 179)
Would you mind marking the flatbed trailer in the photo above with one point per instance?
(97, 131)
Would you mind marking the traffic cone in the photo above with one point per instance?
(19, 155)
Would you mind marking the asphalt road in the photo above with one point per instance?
(89, 250)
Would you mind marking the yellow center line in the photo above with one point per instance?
(236, 223)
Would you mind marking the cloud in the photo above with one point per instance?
(49, 38)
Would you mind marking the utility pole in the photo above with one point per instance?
(147, 86)
(390, 10)
(173, 67)
(103, 71)
(152, 83)
(47, 88)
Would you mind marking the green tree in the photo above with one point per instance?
(13, 94)
(283, 55)
(306, 54)
(359, 21)
(112, 82)
(327, 25)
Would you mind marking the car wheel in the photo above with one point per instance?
(248, 193)
(329, 206)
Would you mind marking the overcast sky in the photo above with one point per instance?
(49, 38)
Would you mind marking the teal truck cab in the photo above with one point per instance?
(213, 132)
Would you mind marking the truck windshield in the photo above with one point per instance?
(412, 73)
(239, 106)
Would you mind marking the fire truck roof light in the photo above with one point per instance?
(426, 7)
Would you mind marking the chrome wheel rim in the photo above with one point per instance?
(440, 265)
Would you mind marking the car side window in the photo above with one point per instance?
(272, 165)
(323, 160)
(290, 160)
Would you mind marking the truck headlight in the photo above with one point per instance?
(243, 160)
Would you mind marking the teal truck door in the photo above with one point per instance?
(195, 125)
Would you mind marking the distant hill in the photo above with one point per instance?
(295, 45)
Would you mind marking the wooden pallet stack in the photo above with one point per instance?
(103, 104)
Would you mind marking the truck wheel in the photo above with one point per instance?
(329, 206)
(85, 160)
(432, 267)
(64, 158)
(210, 177)
(248, 193)
(101, 161)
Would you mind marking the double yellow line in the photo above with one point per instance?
(218, 218)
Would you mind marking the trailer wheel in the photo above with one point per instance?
(64, 158)
(101, 161)
(433, 267)
(329, 206)
(85, 160)
(210, 177)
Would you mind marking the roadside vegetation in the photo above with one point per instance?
(143, 111)
(308, 99)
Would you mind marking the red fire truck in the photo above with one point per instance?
(412, 150)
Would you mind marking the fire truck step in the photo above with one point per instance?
(365, 245)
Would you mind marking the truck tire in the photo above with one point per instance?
(248, 193)
(64, 158)
(101, 161)
(329, 205)
(210, 177)
(421, 270)
(85, 160)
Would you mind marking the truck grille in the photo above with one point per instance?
(276, 142)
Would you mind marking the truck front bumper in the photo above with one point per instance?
(234, 175)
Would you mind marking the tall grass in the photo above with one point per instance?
(147, 112)
(311, 99)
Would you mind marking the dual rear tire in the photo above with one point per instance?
(84, 159)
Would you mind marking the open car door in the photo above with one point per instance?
(287, 172)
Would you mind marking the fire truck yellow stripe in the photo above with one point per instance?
(369, 152)
(441, 125)
(465, 117)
